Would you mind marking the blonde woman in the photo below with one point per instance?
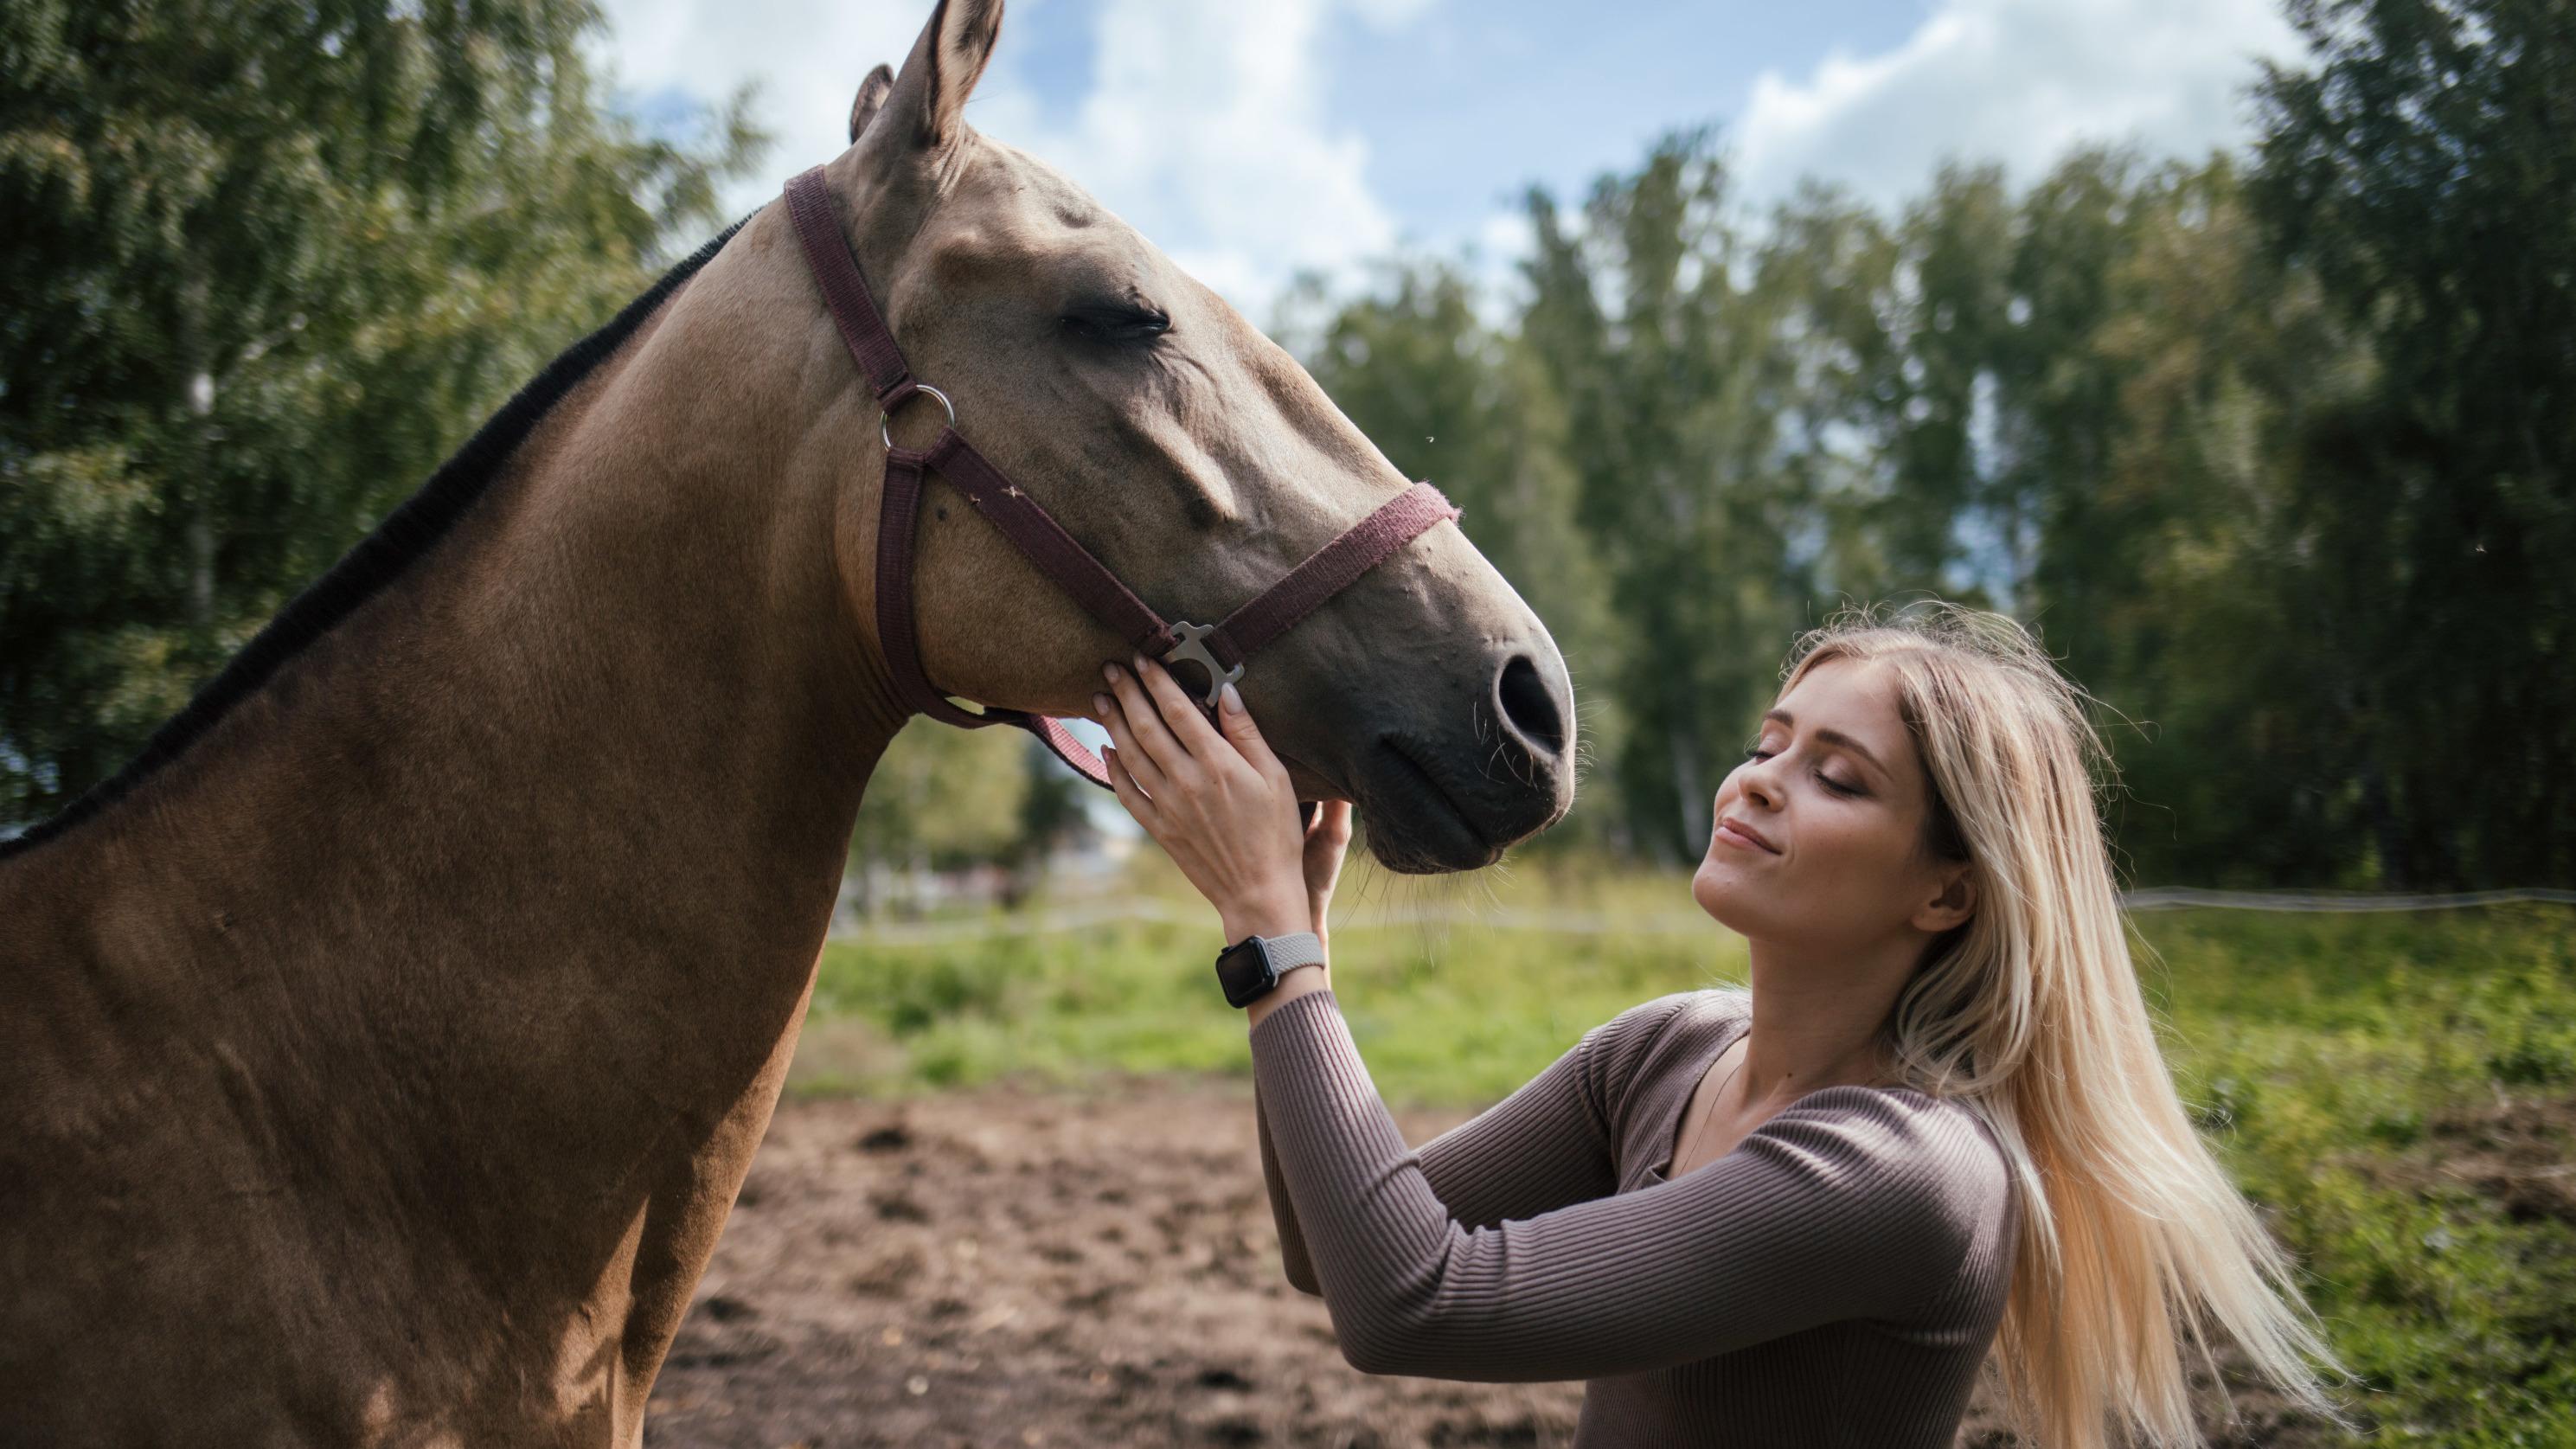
(1937, 1124)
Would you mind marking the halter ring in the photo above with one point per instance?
(1193, 646)
(885, 420)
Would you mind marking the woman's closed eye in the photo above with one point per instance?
(1828, 781)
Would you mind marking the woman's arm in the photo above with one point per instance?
(1822, 1214)
(1283, 1213)
(1550, 1143)
(1850, 1204)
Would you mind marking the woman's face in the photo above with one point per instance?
(1830, 806)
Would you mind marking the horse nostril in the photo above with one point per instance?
(1528, 706)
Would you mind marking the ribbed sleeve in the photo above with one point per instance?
(1549, 1144)
(1854, 1205)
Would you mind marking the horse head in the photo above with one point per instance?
(1186, 451)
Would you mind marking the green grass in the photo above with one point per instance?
(2400, 1092)
(2394, 1090)
(1448, 1013)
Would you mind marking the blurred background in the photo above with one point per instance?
(2232, 346)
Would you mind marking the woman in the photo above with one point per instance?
(1937, 1121)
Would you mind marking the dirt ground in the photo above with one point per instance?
(1003, 1268)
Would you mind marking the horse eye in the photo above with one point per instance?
(1117, 322)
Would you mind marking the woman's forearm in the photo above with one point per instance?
(1304, 981)
(1292, 1244)
(1850, 1203)
(1293, 1256)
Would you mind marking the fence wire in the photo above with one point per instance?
(1055, 920)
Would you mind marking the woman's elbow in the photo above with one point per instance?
(1379, 1347)
(1365, 1355)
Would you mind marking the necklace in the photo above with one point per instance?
(1702, 1129)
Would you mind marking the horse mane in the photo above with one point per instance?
(374, 562)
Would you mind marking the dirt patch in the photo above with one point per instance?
(1001, 1268)
(2518, 1152)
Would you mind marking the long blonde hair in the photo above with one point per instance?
(2030, 1014)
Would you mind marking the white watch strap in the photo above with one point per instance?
(1287, 953)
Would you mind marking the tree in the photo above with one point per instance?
(1450, 399)
(941, 797)
(1649, 322)
(2420, 172)
(267, 261)
(2180, 591)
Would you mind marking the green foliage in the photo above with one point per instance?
(1674, 381)
(2279, 464)
(2396, 1093)
(1140, 997)
(1450, 399)
(942, 796)
(2419, 170)
(2276, 457)
(267, 263)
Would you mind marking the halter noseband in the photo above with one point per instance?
(1219, 648)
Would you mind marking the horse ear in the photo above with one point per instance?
(872, 95)
(942, 70)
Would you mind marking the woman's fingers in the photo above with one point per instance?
(1246, 738)
(1154, 738)
(1179, 711)
(1124, 786)
(1122, 733)
(1326, 839)
(1332, 822)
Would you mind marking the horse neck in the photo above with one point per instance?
(513, 883)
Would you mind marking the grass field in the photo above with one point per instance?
(2398, 1092)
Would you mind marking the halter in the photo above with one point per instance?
(1219, 648)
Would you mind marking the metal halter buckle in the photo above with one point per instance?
(885, 420)
(1193, 646)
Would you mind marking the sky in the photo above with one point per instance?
(1253, 139)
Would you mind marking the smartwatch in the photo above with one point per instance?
(1250, 968)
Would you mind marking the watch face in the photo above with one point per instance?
(1243, 969)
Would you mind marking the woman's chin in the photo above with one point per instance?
(1708, 890)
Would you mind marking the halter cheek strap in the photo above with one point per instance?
(1220, 648)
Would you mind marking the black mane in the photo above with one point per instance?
(410, 531)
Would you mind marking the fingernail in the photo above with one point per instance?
(1233, 701)
(1140, 664)
(1100, 705)
(1109, 672)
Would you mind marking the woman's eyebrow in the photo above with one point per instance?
(1832, 737)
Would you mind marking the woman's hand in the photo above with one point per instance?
(1220, 803)
(1326, 840)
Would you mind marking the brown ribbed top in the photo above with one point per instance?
(1835, 1279)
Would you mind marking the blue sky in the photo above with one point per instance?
(1462, 105)
(1253, 138)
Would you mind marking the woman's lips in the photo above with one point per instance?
(1743, 839)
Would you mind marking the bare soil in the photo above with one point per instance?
(1009, 1268)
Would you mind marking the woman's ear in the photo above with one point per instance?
(1956, 902)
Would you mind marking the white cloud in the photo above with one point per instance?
(1204, 124)
(2016, 81)
(1207, 123)
(806, 58)
(1205, 129)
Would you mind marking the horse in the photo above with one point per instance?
(382, 1051)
